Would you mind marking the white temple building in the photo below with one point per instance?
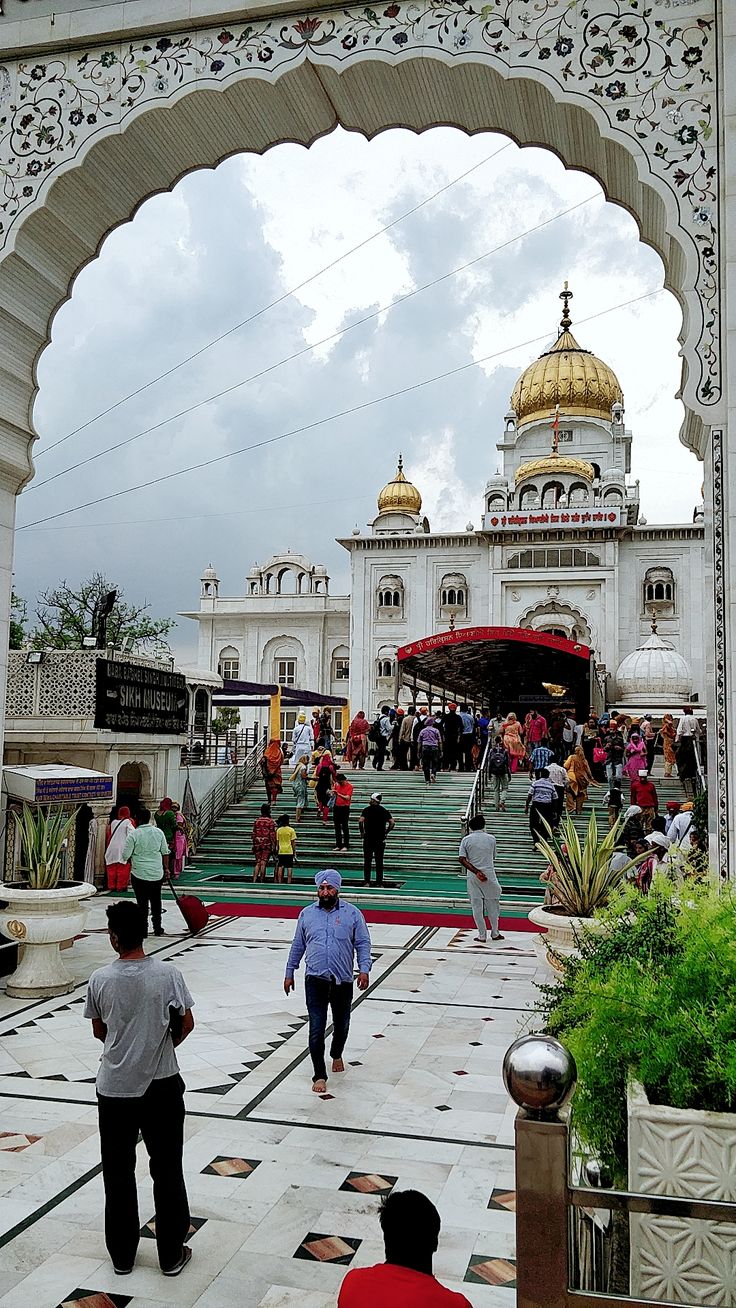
(561, 550)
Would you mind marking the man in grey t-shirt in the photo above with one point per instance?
(477, 855)
(141, 1009)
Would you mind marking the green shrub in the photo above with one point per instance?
(654, 998)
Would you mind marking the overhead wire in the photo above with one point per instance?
(202, 517)
(333, 417)
(273, 304)
(309, 349)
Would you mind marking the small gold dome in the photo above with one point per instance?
(399, 496)
(581, 384)
(555, 463)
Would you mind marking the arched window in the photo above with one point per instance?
(453, 594)
(529, 498)
(390, 597)
(552, 494)
(286, 582)
(613, 496)
(228, 663)
(658, 591)
(496, 503)
(578, 493)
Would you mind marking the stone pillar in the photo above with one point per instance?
(722, 716)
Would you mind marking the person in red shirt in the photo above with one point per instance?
(411, 1229)
(343, 791)
(644, 793)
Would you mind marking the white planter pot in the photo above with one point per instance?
(688, 1153)
(559, 935)
(40, 920)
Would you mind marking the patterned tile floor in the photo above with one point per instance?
(284, 1185)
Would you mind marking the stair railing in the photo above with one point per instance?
(480, 786)
(228, 791)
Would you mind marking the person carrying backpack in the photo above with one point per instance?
(499, 772)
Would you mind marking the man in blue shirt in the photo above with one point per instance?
(330, 933)
(467, 739)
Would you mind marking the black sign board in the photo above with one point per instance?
(132, 697)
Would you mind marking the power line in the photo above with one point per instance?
(274, 303)
(333, 417)
(200, 517)
(308, 349)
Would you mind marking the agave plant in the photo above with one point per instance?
(582, 875)
(42, 833)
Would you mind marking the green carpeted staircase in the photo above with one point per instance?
(421, 872)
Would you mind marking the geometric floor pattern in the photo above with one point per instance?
(284, 1185)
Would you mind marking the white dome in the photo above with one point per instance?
(209, 574)
(655, 674)
(615, 475)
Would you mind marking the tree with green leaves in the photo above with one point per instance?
(66, 614)
(18, 619)
(228, 719)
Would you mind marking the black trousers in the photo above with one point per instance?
(373, 849)
(341, 819)
(159, 1116)
(379, 758)
(149, 892)
(322, 994)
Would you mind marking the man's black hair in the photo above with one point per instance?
(126, 921)
(144, 816)
(477, 822)
(544, 772)
(265, 810)
(411, 1227)
(284, 820)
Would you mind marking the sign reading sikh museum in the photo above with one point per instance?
(132, 697)
(542, 519)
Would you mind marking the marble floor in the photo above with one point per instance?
(284, 1185)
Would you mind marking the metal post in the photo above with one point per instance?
(542, 1250)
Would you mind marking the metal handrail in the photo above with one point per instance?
(228, 791)
(478, 792)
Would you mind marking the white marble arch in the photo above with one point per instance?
(631, 96)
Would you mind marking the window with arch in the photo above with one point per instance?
(659, 590)
(385, 669)
(496, 503)
(552, 494)
(453, 594)
(529, 498)
(228, 664)
(390, 597)
(613, 496)
(578, 493)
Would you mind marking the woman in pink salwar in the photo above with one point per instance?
(179, 847)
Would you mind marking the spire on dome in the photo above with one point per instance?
(566, 321)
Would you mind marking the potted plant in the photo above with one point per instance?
(648, 1009)
(582, 881)
(41, 911)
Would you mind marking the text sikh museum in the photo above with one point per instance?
(560, 548)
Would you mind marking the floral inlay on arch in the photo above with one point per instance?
(650, 83)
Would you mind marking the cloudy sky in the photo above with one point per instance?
(228, 243)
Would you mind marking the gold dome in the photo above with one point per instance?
(555, 463)
(566, 375)
(399, 496)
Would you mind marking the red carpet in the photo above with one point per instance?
(401, 918)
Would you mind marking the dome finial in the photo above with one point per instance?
(654, 622)
(566, 320)
(401, 462)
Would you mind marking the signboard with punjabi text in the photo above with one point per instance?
(546, 519)
(133, 697)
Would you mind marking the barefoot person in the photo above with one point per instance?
(331, 933)
(477, 853)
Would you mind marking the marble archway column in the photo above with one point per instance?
(107, 107)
